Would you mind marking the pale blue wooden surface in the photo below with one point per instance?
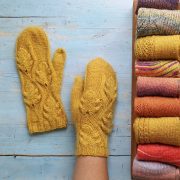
(86, 29)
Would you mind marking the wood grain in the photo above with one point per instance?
(86, 29)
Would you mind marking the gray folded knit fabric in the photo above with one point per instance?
(157, 22)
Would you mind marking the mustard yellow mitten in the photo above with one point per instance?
(40, 80)
(92, 105)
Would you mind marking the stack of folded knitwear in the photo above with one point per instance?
(157, 104)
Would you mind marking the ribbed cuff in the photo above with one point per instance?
(91, 151)
(43, 127)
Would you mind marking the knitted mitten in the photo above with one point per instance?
(157, 22)
(92, 108)
(158, 47)
(41, 80)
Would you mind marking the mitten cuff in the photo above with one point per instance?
(91, 151)
(44, 126)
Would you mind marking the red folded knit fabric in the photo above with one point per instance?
(153, 86)
(143, 170)
(157, 107)
(160, 153)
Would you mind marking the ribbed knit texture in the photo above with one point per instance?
(158, 4)
(159, 153)
(158, 47)
(40, 80)
(154, 86)
(143, 170)
(165, 130)
(157, 106)
(92, 105)
(157, 22)
(157, 68)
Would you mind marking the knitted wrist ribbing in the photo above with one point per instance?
(92, 108)
(165, 130)
(158, 22)
(41, 80)
(158, 47)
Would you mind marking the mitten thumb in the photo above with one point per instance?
(75, 96)
(58, 64)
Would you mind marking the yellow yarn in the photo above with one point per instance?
(165, 130)
(92, 105)
(158, 47)
(41, 80)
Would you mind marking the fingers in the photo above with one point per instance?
(58, 63)
(76, 95)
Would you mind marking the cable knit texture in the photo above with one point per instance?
(157, 68)
(165, 130)
(92, 108)
(158, 4)
(158, 47)
(157, 22)
(143, 170)
(154, 86)
(157, 106)
(41, 80)
(159, 153)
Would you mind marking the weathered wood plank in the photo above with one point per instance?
(74, 10)
(14, 139)
(61, 168)
(86, 29)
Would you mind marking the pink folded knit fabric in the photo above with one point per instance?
(159, 153)
(152, 86)
(143, 170)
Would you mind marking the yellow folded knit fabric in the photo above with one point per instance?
(92, 105)
(165, 130)
(158, 47)
(41, 80)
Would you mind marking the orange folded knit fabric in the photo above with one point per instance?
(159, 153)
(154, 86)
(143, 170)
(157, 107)
(164, 130)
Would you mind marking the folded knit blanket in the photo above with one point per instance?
(157, 68)
(157, 22)
(143, 170)
(157, 130)
(154, 86)
(160, 153)
(158, 47)
(157, 106)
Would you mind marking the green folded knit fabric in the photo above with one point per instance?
(157, 22)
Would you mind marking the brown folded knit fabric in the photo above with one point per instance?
(157, 107)
(154, 86)
(164, 130)
(157, 4)
(143, 170)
